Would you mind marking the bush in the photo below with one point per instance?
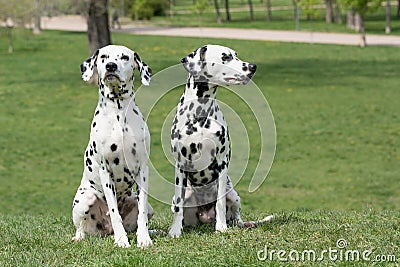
(146, 9)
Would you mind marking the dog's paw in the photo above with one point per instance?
(175, 231)
(144, 241)
(76, 239)
(221, 227)
(249, 224)
(122, 242)
(78, 236)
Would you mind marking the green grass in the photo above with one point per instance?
(282, 19)
(45, 241)
(335, 174)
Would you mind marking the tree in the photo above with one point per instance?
(228, 15)
(337, 12)
(308, 8)
(350, 19)
(329, 11)
(219, 18)
(37, 28)
(361, 8)
(398, 9)
(251, 10)
(98, 26)
(388, 27)
(269, 13)
(199, 8)
(15, 14)
(296, 13)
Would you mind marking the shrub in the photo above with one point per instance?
(145, 9)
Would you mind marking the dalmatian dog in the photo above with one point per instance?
(200, 142)
(117, 154)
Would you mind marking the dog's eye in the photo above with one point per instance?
(125, 57)
(226, 57)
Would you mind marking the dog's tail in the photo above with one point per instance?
(266, 219)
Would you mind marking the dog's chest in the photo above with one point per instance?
(193, 118)
(124, 127)
(121, 140)
(200, 140)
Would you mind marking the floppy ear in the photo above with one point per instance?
(144, 69)
(195, 61)
(87, 67)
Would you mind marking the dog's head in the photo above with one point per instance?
(219, 65)
(115, 65)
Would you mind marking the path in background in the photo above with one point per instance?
(78, 23)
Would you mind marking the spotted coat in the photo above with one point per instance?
(112, 196)
(200, 141)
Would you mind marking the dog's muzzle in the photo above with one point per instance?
(110, 76)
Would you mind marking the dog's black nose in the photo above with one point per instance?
(111, 66)
(252, 67)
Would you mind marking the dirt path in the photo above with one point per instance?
(78, 23)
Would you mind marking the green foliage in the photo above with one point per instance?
(200, 6)
(20, 11)
(361, 6)
(309, 8)
(146, 9)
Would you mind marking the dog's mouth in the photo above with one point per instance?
(111, 78)
(237, 80)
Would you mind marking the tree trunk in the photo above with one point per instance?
(219, 18)
(10, 44)
(296, 14)
(350, 19)
(37, 29)
(388, 27)
(171, 8)
(358, 22)
(228, 15)
(329, 12)
(98, 27)
(251, 10)
(338, 14)
(363, 42)
(269, 12)
(398, 9)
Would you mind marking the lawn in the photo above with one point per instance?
(335, 174)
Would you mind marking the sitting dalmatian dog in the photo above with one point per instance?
(200, 142)
(117, 154)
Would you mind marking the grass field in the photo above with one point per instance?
(335, 174)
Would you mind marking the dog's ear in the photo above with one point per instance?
(87, 67)
(195, 61)
(144, 69)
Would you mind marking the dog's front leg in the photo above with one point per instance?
(120, 236)
(177, 203)
(220, 225)
(143, 237)
(233, 197)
